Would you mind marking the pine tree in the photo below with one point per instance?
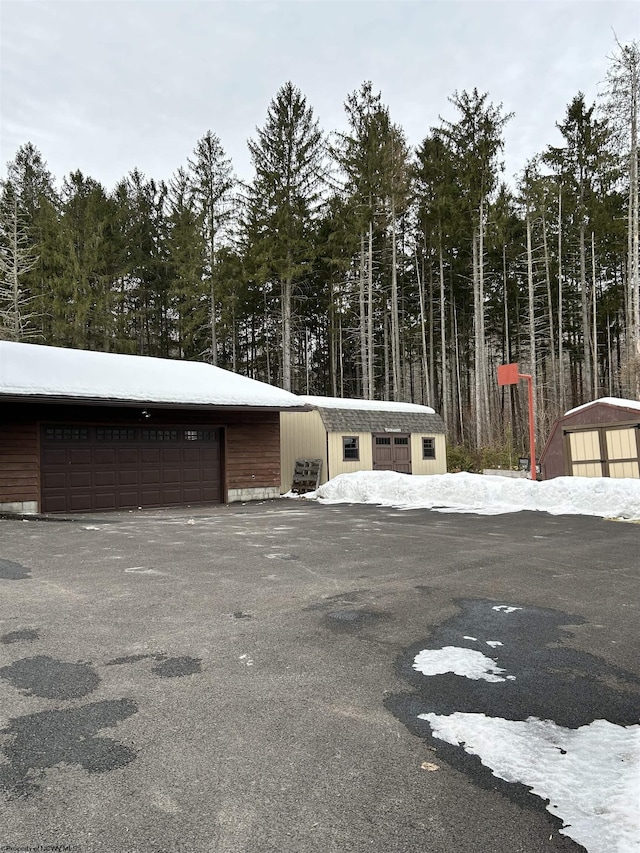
(189, 295)
(288, 156)
(476, 142)
(212, 181)
(39, 212)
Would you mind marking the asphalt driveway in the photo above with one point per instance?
(239, 678)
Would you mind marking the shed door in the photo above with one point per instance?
(95, 468)
(586, 457)
(392, 453)
(607, 451)
(622, 452)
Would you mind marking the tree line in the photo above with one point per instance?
(353, 265)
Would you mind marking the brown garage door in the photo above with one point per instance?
(392, 453)
(93, 468)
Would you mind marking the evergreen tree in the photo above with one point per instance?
(283, 201)
(211, 179)
(189, 295)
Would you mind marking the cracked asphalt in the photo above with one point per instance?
(238, 678)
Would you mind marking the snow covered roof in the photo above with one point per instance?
(34, 371)
(608, 401)
(345, 415)
(365, 405)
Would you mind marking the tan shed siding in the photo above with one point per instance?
(587, 469)
(585, 446)
(302, 436)
(252, 452)
(428, 466)
(629, 469)
(621, 444)
(19, 468)
(337, 465)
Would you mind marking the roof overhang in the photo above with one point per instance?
(42, 399)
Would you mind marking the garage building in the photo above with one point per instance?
(598, 439)
(362, 435)
(88, 431)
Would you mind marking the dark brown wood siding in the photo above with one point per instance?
(19, 460)
(553, 461)
(253, 451)
(250, 440)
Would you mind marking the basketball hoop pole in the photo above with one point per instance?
(508, 375)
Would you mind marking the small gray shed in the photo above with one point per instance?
(362, 435)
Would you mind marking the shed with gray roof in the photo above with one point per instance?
(362, 435)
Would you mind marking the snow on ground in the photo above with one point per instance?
(590, 775)
(466, 662)
(486, 494)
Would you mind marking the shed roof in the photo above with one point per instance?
(618, 402)
(347, 415)
(32, 371)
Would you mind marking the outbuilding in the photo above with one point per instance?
(362, 435)
(598, 439)
(88, 431)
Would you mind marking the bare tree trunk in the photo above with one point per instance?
(385, 355)
(266, 335)
(370, 341)
(458, 379)
(486, 411)
(552, 342)
(587, 386)
(395, 313)
(426, 396)
(287, 288)
(341, 358)
(333, 344)
(562, 396)
(478, 347)
(363, 326)
(634, 228)
(594, 317)
(443, 341)
(532, 318)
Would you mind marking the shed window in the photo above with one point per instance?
(383, 439)
(428, 448)
(350, 449)
(403, 440)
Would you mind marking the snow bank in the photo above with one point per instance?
(486, 495)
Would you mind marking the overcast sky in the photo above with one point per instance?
(108, 85)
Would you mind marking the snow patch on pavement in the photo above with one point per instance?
(466, 662)
(589, 775)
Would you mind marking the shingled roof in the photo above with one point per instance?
(347, 415)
